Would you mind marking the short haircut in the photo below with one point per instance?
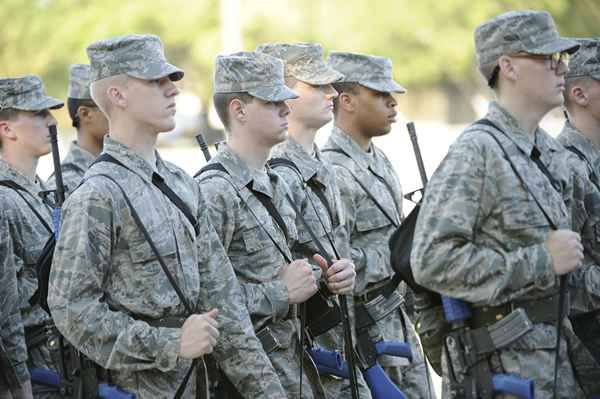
(9, 114)
(73, 105)
(221, 102)
(98, 91)
(581, 81)
(493, 80)
(343, 87)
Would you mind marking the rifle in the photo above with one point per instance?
(479, 383)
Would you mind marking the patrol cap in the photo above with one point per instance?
(79, 82)
(138, 56)
(303, 61)
(26, 94)
(370, 71)
(531, 32)
(257, 74)
(586, 61)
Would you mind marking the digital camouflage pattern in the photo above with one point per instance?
(586, 61)
(24, 236)
(367, 70)
(480, 237)
(138, 56)
(73, 167)
(105, 274)
(326, 226)
(79, 82)
(369, 231)
(26, 94)
(256, 260)
(257, 74)
(531, 32)
(303, 61)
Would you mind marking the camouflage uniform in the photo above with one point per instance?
(368, 227)
(77, 160)
(304, 61)
(480, 235)
(24, 236)
(105, 278)
(585, 282)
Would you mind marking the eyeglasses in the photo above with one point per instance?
(555, 58)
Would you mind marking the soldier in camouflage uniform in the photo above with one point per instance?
(25, 220)
(91, 125)
(581, 136)
(109, 294)
(307, 73)
(482, 236)
(249, 97)
(365, 108)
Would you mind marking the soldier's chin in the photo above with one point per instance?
(166, 127)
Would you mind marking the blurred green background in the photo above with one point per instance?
(429, 41)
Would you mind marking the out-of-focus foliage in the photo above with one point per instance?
(430, 41)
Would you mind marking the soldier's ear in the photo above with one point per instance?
(237, 110)
(508, 69)
(578, 95)
(346, 101)
(6, 131)
(116, 96)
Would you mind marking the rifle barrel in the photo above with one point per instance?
(415, 143)
(60, 188)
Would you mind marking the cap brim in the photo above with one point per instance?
(325, 76)
(43, 103)
(157, 71)
(559, 45)
(384, 86)
(274, 93)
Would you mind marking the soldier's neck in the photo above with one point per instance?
(586, 124)
(351, 129)
(522, 109)
(23, 163)
(138, 139)
(303, 135)
(88, 142)
(252, 152)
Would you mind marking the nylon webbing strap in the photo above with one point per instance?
(18, 188)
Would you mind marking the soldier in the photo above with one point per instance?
(144, 303)
(581, 135)
(253, 217)
(25, 220)
(91, 125)
(311, 78)
(372, 195)
(494, 229)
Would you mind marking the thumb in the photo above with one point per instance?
(321, 262)
(212, 313)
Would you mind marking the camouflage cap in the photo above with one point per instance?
(367, 70)
(517, 31)
(303, 61)
(257, 74)
(79, 82)
(139, 56)
(586, 61)
(26, 94)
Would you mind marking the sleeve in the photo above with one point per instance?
(239, 353)
(448, 256)
(81, 264)
(269, 298)
(12, 335)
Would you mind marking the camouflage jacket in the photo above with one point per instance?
(23, 237)
(256, 260)
(586, 221)
(369, 228)
(480, 236)
(73, 167)
(105, 275)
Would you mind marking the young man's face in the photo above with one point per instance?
(267, 121)
(31, 131)
(375, 111)
(541, 83)
(314, 106)
(152, 103)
